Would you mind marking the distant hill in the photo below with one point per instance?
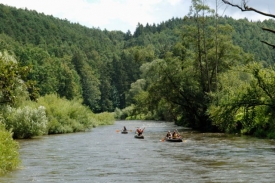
(99, 65)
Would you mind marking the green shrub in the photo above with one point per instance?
(25, 122)
(66, 116)
(124, 113)
(118, 113)
(271, 135)
(9, 156)
(105, 118)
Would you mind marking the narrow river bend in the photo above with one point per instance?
(104, 155)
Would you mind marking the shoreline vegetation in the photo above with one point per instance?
(24, 115)
(9, 151)
(49, 115)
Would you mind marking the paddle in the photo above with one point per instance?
(122, 130)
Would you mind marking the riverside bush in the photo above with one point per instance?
(25, 122)
(125, 113)
(105, 118)
(129, 113)
(9, 156)
(66, 116)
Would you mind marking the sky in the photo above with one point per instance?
(125, 15)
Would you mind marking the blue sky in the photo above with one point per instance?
(124, 15)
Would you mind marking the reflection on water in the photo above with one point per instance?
(104, 155)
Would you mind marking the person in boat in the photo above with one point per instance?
(175, 135)
(124, 129)
(139, 131)
(169, 135)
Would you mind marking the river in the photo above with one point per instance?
(105, 155)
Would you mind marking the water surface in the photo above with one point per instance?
(104, 155)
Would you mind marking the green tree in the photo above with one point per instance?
(105, 102)
(89, 81)
(119, 83)
(245, 103)
(178, 85)
(69, 81)
(12, 85)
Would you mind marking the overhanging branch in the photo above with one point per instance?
(244, 7)
(272, 45)
(269, 30)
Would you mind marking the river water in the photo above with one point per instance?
(105, 155)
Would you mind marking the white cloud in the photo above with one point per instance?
(122, 14)
(110, 14)
(174, 2)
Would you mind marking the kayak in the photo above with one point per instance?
(139, 136)
(174, 140)
(124, 132)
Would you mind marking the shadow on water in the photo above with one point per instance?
(105, 155)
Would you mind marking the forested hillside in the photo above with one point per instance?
(149, 74)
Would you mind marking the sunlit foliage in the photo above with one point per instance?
(66, 116)
(25, 122)
(245, 101)
(12, 86)
(9, 156)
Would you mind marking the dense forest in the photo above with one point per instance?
(202, 71)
